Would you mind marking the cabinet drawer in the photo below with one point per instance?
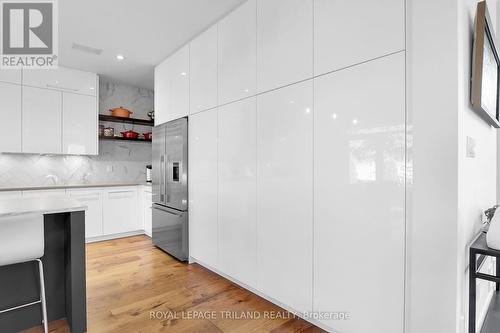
(44, 193)
(63, 79)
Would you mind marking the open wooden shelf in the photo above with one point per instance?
(103, 117)
(119, 138)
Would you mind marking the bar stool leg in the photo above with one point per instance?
(42, 298)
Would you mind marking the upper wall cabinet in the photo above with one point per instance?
(237, 58)
(10, 75)
(48, 111)
(284, 42)
(62, 79)
(353, 31)
(42, 120)
(203, 67)
(79, 124)
(172, 87)
(10, 115)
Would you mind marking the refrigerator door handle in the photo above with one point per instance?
(162, 178)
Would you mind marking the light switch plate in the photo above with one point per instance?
(471, 147)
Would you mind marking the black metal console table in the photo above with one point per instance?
(478, 252)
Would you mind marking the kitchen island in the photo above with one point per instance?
(64, 267)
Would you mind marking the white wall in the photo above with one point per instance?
(476, 176)
(446, 191)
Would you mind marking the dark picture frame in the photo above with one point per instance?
(485, 68)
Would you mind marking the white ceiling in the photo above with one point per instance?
(144, 31)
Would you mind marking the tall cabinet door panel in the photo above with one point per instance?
(42, 121)
(359, 195)
(237, 58)
(284, 42)
(285, 194)
(79, 124)
(203, 70)
(10, 113)
(352, 31)
(203, 187)
(237, 190)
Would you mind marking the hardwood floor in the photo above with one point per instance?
(134, 287)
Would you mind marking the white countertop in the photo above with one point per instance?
(50, 205)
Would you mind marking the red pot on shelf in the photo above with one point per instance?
(130, 135)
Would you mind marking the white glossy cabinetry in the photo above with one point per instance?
(92, 198)
(285, 194)
(203, 238)
(121, 210)
(10, 115)
(36, 117)
(359, 195)
(11, 195)
(172, 87)
(237, 191)
(62, 79)
(284, 42)
(79, 124)
(203, 71)
(10, 76)
(44, 193)
(147, 197)
(350, 32)
(237, 53)
(41, 120)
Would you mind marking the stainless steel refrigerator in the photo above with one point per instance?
(170, 188)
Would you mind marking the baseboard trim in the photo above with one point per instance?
(264, 296)
(114, 236)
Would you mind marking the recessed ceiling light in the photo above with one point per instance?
(120, 57)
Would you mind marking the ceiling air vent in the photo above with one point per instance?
(87, 49)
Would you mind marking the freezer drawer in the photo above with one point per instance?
(170, 231)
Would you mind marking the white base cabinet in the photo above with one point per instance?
(112, 212)
(92, 198)
(147, 212)
(121, 210)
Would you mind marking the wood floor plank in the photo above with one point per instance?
(134, 287)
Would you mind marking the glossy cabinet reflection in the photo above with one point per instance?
(203, 237)
(359, 193)
(237, 190)
(172, 83)
(353, 31)
(203, 70)
(237, 59)
(284, 194)
(284, 42)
